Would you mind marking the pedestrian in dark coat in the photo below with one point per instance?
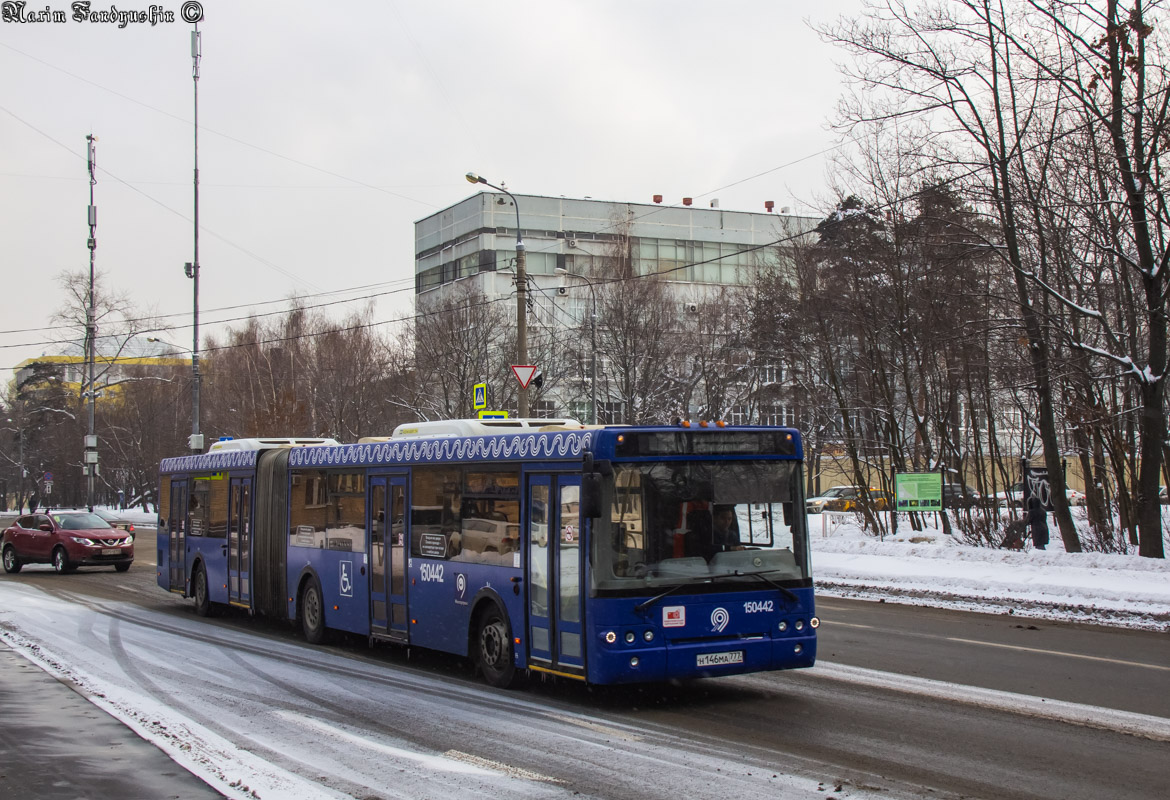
(1038, 522)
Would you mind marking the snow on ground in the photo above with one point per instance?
(931, 568)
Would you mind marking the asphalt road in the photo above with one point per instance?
(906, 701)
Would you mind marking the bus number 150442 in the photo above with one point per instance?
(757, 606)
(432, 572)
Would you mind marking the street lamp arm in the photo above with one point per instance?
(473, 178)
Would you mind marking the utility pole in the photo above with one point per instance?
(196, 440)
(91, 455)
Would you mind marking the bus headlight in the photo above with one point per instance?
(630, 637)
(799, 624)
(648, 636)
(783, 625)
(634, 661)
(814, 623)
(610, 637)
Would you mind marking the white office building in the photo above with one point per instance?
(571, 243)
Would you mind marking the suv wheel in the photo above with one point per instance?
(61, 563)
(11, 562)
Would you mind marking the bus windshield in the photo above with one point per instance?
(697, 521)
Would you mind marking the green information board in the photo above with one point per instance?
(918, 491)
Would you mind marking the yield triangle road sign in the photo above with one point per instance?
(524, 374)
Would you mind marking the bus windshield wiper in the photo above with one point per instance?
(786, 592)
(677, 587)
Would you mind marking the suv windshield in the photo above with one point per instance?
(79, 522)
(696, 522)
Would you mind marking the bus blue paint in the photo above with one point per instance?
(420, 539)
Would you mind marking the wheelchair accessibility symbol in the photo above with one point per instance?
(346, 582)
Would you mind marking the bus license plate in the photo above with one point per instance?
(111, 551)
(719, 659)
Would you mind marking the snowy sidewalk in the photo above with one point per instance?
(935, 570)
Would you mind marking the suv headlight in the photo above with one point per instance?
(129, 540)
(82, 540)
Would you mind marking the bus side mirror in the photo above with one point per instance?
(787, 513)
(591, 495)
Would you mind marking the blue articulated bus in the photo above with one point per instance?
(612, 554)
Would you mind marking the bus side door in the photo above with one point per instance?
(240, 542)
(555, 569)
(387, 531)
(177, 546)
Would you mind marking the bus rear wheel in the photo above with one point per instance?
(312, 613)
(494, 653)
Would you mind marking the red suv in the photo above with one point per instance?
(67, 540)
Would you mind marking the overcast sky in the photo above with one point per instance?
(324, 134)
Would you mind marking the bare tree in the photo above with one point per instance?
(461, 338)
(949, 63)
(638, 338)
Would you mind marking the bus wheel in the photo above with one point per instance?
(494, 649)
(203, 605)
(312, 613)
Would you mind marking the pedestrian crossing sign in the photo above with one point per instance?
(479, 396)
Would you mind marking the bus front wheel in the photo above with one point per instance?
(494, 652)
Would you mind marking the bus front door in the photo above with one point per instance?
(555, 570)
(177, 544)
(240, 542)
(387, 527)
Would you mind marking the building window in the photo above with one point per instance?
(609, 413)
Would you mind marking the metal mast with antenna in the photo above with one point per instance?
(91, 455)
(192, 269)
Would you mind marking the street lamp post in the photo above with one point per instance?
(592, 342)
(196, 440)
(90, 453)
(521, 294)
